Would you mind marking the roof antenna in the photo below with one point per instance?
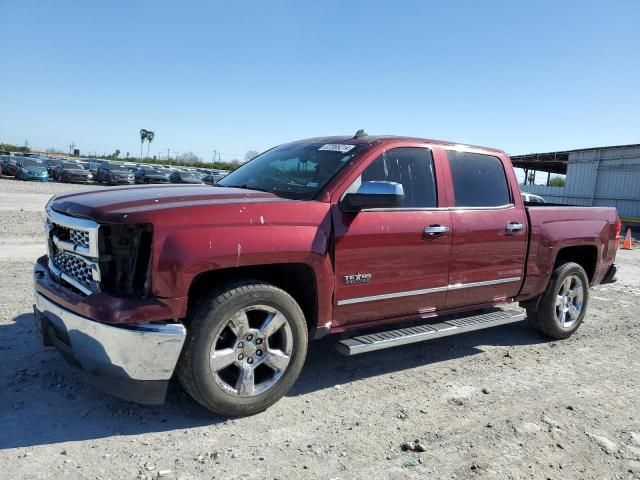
(360, 133)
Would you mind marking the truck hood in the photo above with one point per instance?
(146, 202)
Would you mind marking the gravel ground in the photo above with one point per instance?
(500, 403)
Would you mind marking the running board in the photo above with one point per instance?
(420, 333)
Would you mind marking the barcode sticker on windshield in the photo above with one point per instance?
(337, 147)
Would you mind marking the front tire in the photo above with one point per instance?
(245, 348)
(563, 304)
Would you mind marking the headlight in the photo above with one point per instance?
(89, 175)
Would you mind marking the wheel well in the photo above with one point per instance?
(297, 279)
(586, 256)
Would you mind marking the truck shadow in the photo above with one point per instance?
(326, 368)
(45, 401)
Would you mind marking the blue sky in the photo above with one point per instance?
(233, 76)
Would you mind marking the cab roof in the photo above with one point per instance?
(377, 139)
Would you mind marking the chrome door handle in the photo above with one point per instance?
(514, 227)
(435, 230)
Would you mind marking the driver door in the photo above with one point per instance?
(387, 263)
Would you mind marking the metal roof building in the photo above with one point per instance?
(602, 176)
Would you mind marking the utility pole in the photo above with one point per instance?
(168, 154)
(71, 147)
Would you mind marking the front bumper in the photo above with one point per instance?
(34, 178)
(120, 181)
(76, 179)
(134, 362)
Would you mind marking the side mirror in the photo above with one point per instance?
(374, 195)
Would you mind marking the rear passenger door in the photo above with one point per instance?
(489, 230)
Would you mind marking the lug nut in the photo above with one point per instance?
(249, 337)
(240, 345)
(259, 352)
(250, 360)
(240, 357)
(258, 341)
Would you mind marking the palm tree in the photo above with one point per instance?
(143, 136)
(150, 136)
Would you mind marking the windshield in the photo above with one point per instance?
(152, 171)
(117, 167)
(27, 162)
(71, 166)
(294, 170)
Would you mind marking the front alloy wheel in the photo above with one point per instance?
(252, 351)
(245, 348)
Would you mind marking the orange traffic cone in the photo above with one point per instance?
(626, 245)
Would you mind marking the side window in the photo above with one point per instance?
(411, 167)
(478, 180)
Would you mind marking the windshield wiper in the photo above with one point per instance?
(247, 187)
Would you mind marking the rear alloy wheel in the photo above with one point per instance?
(245, 348)
(563, 304)
(569, 302)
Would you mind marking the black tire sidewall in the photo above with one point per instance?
(547, 321)
(211, 316)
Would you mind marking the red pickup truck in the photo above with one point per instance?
(383, 240)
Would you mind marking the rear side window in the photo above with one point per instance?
(412, 168)
(478, 180)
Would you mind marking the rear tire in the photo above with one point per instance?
(563, 304)
(245, 348)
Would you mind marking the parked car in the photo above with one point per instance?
(531, 198)
(219, 174)
(94, 165)
(52, 164)
(31, 168)
(184, 177)
(72, 172)
(4, 159)
(114, 173)
(151, 175)
(9, 165)
(336, 235)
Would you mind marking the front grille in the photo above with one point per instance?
(78, 268)
(73, 251)
(78, 237)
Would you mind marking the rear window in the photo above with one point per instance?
(478, 180)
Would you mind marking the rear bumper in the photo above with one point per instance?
(610, 275)
(134, 362)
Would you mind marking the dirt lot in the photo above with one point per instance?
(501, 403)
